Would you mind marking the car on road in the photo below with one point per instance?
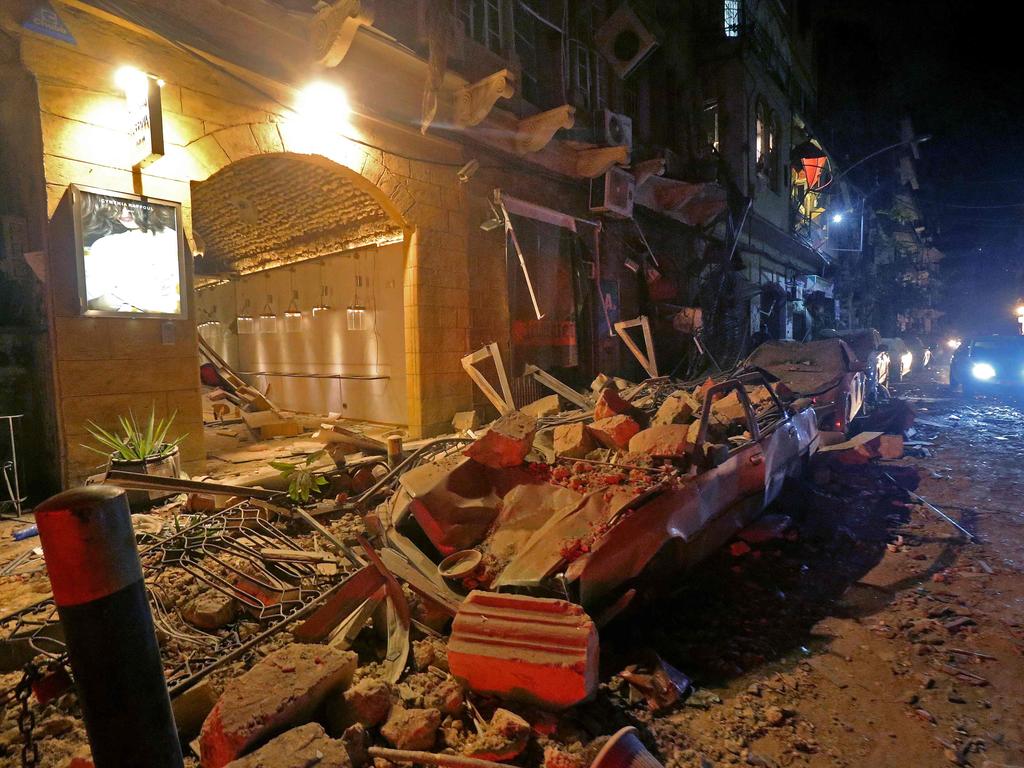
(988, 362)
(826, 371)
(867, 345)
(901, 358)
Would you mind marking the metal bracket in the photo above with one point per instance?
(646, 360)
(559, 387)
(504, 404)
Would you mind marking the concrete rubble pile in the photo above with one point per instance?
(468, 619)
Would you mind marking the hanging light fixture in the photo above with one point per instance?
(357, 314)
(321, 305)
(293, 315)
(268, 318)
(210, 327)
(244, 321)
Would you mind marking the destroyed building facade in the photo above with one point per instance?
(473, 172)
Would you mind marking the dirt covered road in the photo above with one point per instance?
(877, 636)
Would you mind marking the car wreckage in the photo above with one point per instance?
(587, 525)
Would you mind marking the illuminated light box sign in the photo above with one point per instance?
(145, 115)
(130, 254)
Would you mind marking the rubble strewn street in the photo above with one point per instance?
(849, 626)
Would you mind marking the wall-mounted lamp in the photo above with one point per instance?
(356, 317)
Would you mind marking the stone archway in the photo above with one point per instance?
(315, 217)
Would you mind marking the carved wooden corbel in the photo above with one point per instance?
(534, 133)
(475, 101)
(648, 168)
(594, 162)
(332, 29)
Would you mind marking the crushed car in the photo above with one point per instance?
(826, 372)
(586, 505)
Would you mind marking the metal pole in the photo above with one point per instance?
(94, 569)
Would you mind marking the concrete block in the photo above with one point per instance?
(615, 431)
(662, 440)
(506, 443)
(573, 440)
(411, 728)
(679, 408)
(531, 649)
(281, 690)
(304, 747)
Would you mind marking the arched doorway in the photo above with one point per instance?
(300, 284)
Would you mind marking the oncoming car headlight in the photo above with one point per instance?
(983, 371)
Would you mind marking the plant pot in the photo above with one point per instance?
(168, 465)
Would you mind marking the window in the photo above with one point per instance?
(709, 124)
(482, 20)
(731, 17)
(526, 48)
(766, 144)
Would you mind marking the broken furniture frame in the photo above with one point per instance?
(220, 540)
(558, 387)
(647, 360)
(9, 470)
(502, 402)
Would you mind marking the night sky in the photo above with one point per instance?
(958, 70)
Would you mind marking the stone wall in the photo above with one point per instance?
(107, 365)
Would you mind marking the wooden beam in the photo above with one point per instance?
(646, 360)
(503, 404)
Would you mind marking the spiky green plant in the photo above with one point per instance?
(136, 443)
(302, 481)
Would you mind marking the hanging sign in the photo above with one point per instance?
(145, 117)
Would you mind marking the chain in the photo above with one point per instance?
(26, 717)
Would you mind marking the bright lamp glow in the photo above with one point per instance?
(1020, 310)
(323, 102)
(907, 360)
(837, 218)
(953, 343)
(983, 371)
(132, 81)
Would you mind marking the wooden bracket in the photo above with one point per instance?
(648, 168)
(332, 29)
(475, 101)
(536, 132)
(503, 404)
(646, 360)
(597, 161)
(559, 387)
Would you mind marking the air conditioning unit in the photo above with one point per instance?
(615, 129)
(625, 40)
(613, 193)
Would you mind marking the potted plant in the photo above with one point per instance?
(144, 449)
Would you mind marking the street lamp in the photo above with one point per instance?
(1020, 317)
(912, 141)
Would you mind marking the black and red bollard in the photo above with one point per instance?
(100, 594)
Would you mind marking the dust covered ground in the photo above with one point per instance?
(878, 637)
